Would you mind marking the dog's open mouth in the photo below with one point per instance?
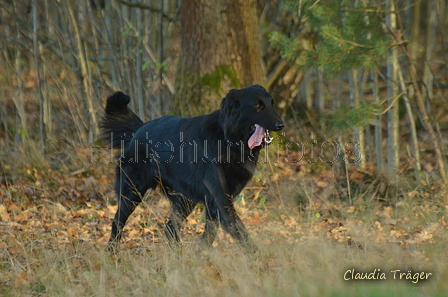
(259, 136)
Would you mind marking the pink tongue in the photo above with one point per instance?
(256, 138)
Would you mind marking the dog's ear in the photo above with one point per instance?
(230, 103)
(259, 86)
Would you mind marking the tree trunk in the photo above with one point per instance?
(84, 72)
(308, 88)
(139, 65)
(432, 134)
(320, 92)
(358, 132)
(42, 130)
(428, 77)
(220, 50)
(160, 50)
(18, 100)
(414, 136)
(378, 121)
(420, 99)
(108, 33)
(392, 92)
(414, 42)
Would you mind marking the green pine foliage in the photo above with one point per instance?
(348, 117)
(345, 35)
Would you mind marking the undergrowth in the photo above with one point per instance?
(55, 222)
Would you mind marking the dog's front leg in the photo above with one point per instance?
(232, 223)
(211, 223)
(224, 212)
(181, 209)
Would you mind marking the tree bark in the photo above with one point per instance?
(42, 130)
(414, 136)
(84, 72)
(320, 92)
(160, 50)
(358, 132)
(392, 92)
(308, 88)
(139, 65)
(432, 134)
(378, 123)
(220, 50)
(18, 100)
(428, 77)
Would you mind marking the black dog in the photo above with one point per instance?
(207, 159)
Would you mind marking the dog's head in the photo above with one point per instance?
(248, 116)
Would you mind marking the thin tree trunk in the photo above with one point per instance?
(358, 132)
(442, 24)
(378, 124)
(428, 77)
(18, 100)
(42, 131)
(424, 117)
(160, 47)
(308, 82)
(426, 122)
(414, 42)
(110, 39)
(84, 72)
(45, 92)
(368, 139)
(95, 67)
(320, 94)
(414, 137)
(420, 99)
(46, 72)
(392, 92)
(139, 65)
(126, 50)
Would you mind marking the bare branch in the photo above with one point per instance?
(146, 7)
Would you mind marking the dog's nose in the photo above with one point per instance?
(279, 126)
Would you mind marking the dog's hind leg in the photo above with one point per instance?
(181, 209)
(211, 225)
(129, 197)
(126, 206)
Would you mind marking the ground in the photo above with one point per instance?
(314, 239)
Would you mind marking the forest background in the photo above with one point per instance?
(356, 182)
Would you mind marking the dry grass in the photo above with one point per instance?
(301, 255)
(313, 267)
(304, 251)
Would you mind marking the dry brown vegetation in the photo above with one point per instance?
(55, 221)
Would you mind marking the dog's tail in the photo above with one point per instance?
(119, 123)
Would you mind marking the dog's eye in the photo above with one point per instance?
(259, 105)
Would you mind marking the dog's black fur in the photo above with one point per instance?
(203, 159)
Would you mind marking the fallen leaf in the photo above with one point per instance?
(4, 215)
(22, 279)
(322, 184)
(71, 232)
